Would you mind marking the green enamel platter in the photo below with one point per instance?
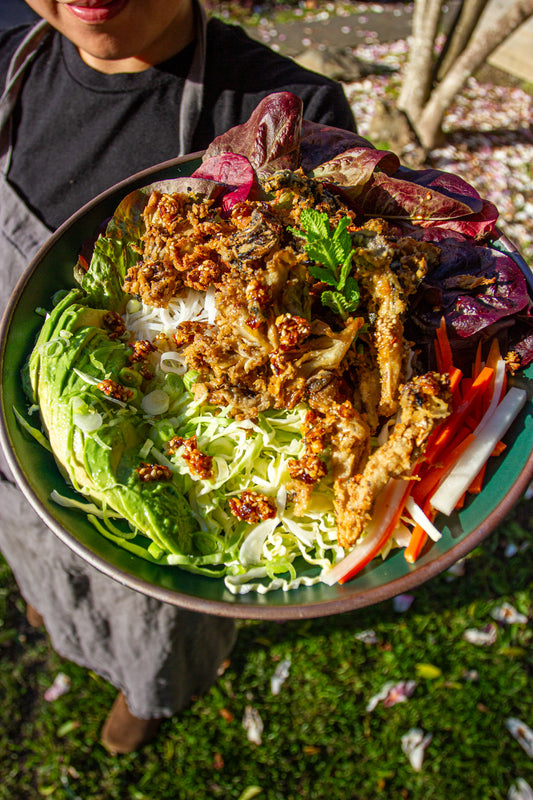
(37, 475)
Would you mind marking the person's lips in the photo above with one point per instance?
(95, 11)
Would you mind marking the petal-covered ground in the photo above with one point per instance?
(489, 136)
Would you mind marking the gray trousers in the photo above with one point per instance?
(159, 655)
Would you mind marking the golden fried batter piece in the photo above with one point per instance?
(424, 402)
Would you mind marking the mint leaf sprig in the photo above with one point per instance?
(332, 251)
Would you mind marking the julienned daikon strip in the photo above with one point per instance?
(389, 507)
(467, 467)
(420, 518)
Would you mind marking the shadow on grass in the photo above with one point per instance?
(472, 139)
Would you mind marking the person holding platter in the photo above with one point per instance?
(96, 91)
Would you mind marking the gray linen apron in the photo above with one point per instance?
(159, 655)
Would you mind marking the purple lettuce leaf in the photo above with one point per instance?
(473, 287)
(232, 171)
(444, 182)
(321, 143)
(270, 139)
(462, 210)
(354, 168)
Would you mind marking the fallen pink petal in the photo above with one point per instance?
(508, 614)
(280, 676)
(521, 790)
(522, 733)
(392, 693)
(368, 637)
(60, 686)
(253, 725)
(414, 744)
(457, 570)
(484, 636)
(402, 602)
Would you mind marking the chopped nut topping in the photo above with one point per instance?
(252, 507)
(153, 472)
(308, 469)
(115, 390)
(292, 330)
(314, 433)
(258, 295)
(186, 331)
(141, 349)
(114, 323)
(199, 463)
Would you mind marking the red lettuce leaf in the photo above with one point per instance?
(234, 172)
(354, 168)
(270, 139)
(454, 205)
(444, 182)
(501, 294)
(321, 143)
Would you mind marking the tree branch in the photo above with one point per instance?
(469, 13)
(481, 45)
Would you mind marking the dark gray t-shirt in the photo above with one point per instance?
(79, 131)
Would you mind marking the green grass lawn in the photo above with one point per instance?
(318, 740)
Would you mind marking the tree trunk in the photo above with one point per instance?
(416, 86)
(468, 15)
(427, 123)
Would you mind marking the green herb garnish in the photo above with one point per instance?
(333, 252)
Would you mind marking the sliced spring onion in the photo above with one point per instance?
(474, 457)
(145, 449)
(156, 402)
(173, 362)
(89, 422)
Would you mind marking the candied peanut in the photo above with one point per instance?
(199, 463)
(114, 323)
(292, 330)
(252, 507)
(140, 350)
(149, 473)
(115, 390)
(308, 469)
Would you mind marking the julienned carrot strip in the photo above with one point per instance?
(477, 484)
(419, 536)
(455, 384)
(477, 366)
(499, 448)
(466, 383)
(427, 484)
(444, 347)
(416, 544)
(460, 503)
(494, 354)
(445, 432)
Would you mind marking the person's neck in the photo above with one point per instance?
(174, 41)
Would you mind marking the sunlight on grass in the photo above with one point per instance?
(318, 740)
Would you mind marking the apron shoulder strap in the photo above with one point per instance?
(19, 62)
(193, 90)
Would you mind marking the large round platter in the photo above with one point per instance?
(37, 474)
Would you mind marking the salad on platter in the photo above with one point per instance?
(287, 364)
